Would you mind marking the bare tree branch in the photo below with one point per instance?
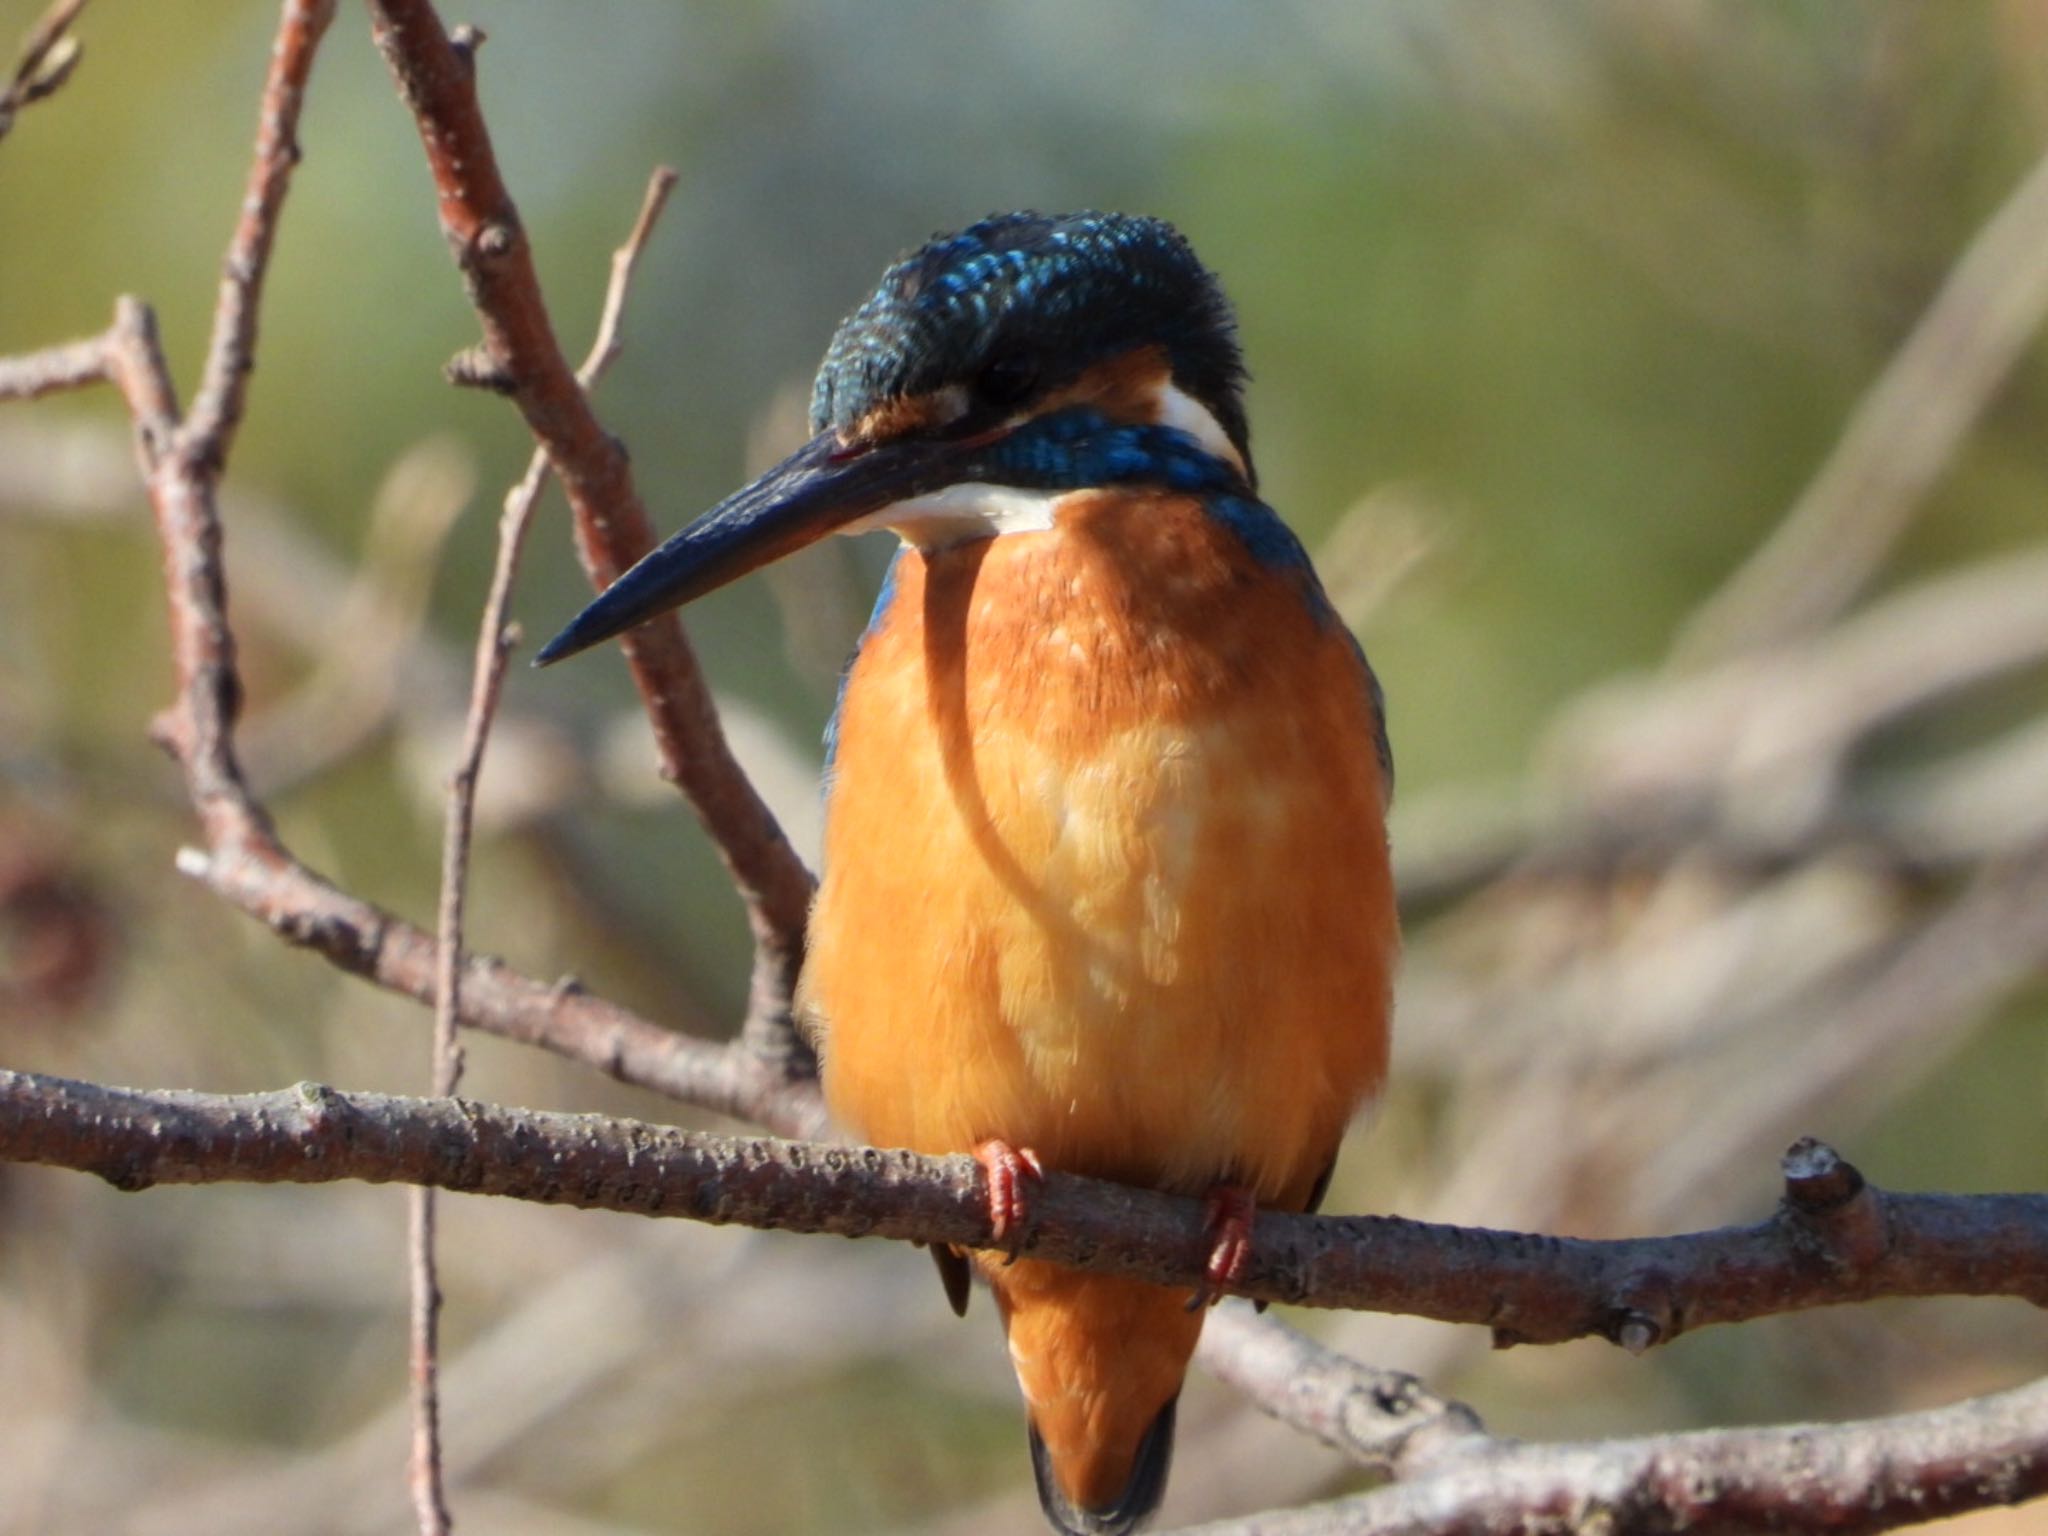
(521, 357)
(561, 1017)
(231, 355)
(244, 862)
(495, 638)
(610, 339)
(1834, 1239)
(1838, 1479)
(423, 1367)
(1387, 1420)
(71, 366)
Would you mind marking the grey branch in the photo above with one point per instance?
(1841, 1479)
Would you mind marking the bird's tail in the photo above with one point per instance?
(1100, 1360)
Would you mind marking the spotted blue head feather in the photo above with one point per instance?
(1020, 302)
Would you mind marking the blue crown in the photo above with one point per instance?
(1020, 302)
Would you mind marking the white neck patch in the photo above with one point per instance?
(1189, 415)
(971, 510)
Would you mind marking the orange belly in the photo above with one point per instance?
(1105, 863)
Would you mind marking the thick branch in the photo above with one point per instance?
(521, 357)
(1835, 1239)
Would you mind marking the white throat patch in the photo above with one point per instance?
(973, 510)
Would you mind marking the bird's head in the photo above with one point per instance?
(991, 373)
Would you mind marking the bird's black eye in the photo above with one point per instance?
(1006, 380)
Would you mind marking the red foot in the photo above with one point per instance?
(1227, 1213)
(1008, 1169)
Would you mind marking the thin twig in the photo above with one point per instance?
(423, 1463)
(496, 637)
(183, 464)
(610, 339)
(73, 365)
(48, 56)
(231, 353)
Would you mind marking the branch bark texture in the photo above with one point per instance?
(1834, 1239)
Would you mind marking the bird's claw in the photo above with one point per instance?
(1228, 1211)
(1009, 1169)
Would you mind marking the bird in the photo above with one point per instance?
(1105, 884)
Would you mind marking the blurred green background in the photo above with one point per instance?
(1553, 312)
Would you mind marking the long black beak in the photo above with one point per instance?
(815, 491)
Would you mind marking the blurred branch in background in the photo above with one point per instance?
(1872, 1476)
(1903, 434)
(48, 56)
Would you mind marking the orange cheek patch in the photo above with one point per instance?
(905, 415)
(1125, 388)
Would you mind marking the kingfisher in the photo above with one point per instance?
(1105, 883)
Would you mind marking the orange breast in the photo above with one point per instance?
(1105, 863)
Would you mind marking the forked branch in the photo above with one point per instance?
(521, 357)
